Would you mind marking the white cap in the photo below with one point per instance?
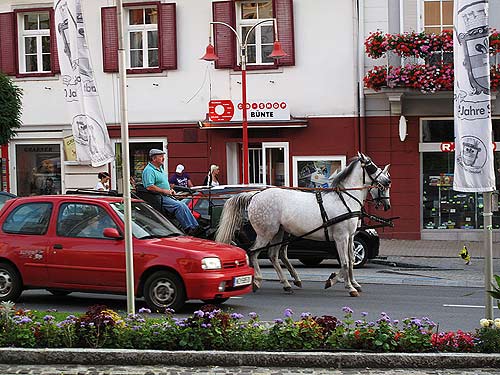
(179, 168)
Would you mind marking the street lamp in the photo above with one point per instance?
(276, 53)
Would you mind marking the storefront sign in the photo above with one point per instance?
(259, 110)
(450, 146)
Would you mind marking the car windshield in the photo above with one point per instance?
(146, 222)
(4, 198)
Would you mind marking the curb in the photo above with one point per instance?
(333, 360)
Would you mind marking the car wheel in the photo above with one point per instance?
(10, 283)
(58, 293)
(360, 253)
(215, 301)
(311, 261)
(164, 289)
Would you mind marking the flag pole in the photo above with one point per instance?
(488, 253)
(129, 250)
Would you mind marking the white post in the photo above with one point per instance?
(488, 254)
(129, 250)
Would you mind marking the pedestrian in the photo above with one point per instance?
(212, 178)
(180, 178)
(154, 179)
(103, 183)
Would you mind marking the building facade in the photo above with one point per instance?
(310, 111)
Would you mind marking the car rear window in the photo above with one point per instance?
(29, 218)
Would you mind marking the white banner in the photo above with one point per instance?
(80, 91)
(474, 169)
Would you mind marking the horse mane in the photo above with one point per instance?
(339, 177)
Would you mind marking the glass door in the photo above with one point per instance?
(275, 163)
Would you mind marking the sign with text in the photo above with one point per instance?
(258, 110)
(450, 146)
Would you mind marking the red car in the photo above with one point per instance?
(66, 243)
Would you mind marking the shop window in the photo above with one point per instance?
(38, 169)
(139, 158)
(443, 207)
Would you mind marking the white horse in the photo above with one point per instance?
(274, 211)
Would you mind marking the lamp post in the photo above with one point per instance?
(276, 53)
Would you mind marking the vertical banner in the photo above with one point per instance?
(80, 92)
(474, 168)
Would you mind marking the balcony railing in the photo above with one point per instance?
(426, 61)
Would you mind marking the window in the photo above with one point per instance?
(438, 16)
(83, 221)
(143, 37)
(443, 207)
(242, 15)
(151, 38)
(28, 43)
(29, 218)
(260, 41)
(34, 42)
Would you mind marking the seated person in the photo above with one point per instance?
(155, 179)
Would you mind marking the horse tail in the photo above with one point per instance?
(232, 216)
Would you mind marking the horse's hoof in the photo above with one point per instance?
(288, 289)
(358, 288)
(255, 287)
(354, 293)
(329, 283)
(298, 283)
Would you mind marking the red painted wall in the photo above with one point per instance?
(384, 146)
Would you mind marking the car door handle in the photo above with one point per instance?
(57, 247)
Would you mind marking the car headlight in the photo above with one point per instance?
(247, 259)
(211, 264)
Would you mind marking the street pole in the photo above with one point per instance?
(244, 123)
(127, 202)
(488, 253)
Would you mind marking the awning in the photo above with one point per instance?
(293, 123)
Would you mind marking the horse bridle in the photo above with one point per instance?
(370, 169)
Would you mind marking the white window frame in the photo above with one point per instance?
(240, 23)
(38, 34)
(286, 153)
(144, 29)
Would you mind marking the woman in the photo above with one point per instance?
(212, 179)
(103, 183)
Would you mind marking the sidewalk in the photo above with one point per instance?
(432, 248)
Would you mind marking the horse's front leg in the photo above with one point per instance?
(284, 258)
(254, 261)
(342, 249)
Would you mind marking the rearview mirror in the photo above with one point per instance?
(112, 233)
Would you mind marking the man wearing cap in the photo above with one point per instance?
(155, 179)
(180, 178)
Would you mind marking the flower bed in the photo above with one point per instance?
(426, 78)
(212, 329)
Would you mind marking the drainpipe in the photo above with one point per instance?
(361, 74)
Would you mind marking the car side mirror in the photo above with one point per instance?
(112, 233)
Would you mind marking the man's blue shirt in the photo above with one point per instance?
(155, 176)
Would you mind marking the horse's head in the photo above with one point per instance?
(379, 181)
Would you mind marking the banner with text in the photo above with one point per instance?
(258, 110)
(80, 92)
(474, 169)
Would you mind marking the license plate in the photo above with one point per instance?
(242, 280)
